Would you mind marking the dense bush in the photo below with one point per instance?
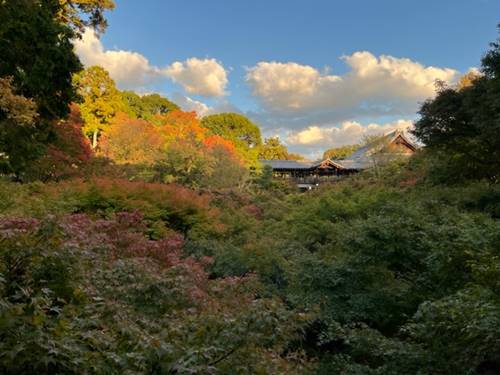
(85, 296)
(405, 278)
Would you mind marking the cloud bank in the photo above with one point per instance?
(349, 132)
(131, 70)
(202, 77)
(373, 86)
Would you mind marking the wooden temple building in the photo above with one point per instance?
(308, 174)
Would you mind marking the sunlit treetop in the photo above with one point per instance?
(84, 13)
(235, 127)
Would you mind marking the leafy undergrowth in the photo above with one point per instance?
(80, 295)
(164, 207)
(380, 274)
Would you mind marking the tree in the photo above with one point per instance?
(133, 141)
(147, 106)
(154, 104)
(101, 100)
(241, 131)
(19, 143)
(265, 180)
(273, 149)
(67, 152)
(36, 40)
(178, 125)
(228, 168)
(195, 158)
(468, 79)
(234, 127)
(72, 11)
(37, 51)
(184, 162)
(461, 127)
(340, 153)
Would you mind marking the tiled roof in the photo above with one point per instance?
(360, 159)
(288, 164)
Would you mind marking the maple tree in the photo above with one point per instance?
(67, 150)
(176, 125)
(131, 141)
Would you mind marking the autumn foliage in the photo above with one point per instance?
(177, 125)
(67, 153)
(96, 278)
(131, 141)
(175, 148)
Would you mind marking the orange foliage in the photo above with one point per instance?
(177, 125)
(133, 141)
(178, 148)
(216, 143)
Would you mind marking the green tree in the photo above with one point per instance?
(461, 127)
(36, 63)
(101, 100)
(155, 104)
(234, 127)
(265, 180)
(147, 106)
(273, 149)
(36, 44)
(241, 131)
(37, 52)
(18, 129)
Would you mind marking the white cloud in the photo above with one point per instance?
(202, 109)
(206, 77)
(349, 132)
(131, 70)
(188, 104)
(128, 69)
(381, 85)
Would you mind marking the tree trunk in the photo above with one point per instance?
(94, 140)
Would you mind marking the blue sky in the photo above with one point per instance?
(280, 62)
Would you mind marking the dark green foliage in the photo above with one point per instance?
(265, 180)
(401, 277)
(38, 58)
(395, 275)
(38, 52)
(462, 126)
